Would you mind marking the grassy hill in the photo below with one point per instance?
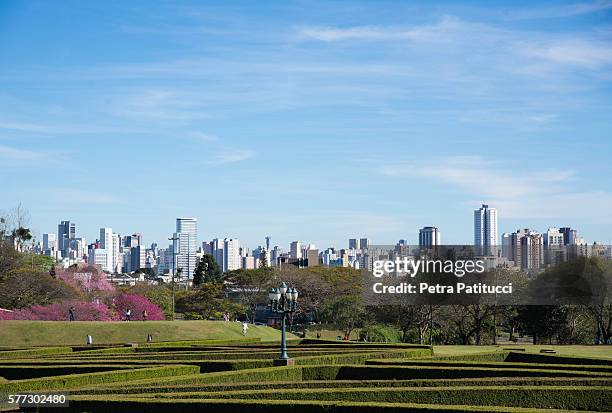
(45, 333)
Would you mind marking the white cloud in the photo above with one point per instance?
(233, 156)
(576, 52)
(14, 154)
(561, 10)
(518, 192)
(80, 196)
(438, 31)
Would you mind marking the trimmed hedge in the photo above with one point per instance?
(502, 365)
(230, 386)
(550, 359)
(486, 356)
(80, 380)
(361, 358)
(211, 342)
(426, 372)
(139, 405)
(33, 352)
(576, 398)
(31, 372)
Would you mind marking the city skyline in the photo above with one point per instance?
(317, 121)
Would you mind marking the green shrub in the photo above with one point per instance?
(30, 372)
(34, 352)
(360, 357)
(577, 398)
(485, 356)
(133, 405)
(80, 380)
(379, 333)
(501, 365)
(426, 372)
(229, 386)
(550, 359)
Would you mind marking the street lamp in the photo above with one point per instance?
(283, 300)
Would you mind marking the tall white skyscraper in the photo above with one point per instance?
(110, 242)
(231, 255)
(296, 250)
(186, 245)
(485, 229)
(429, 237)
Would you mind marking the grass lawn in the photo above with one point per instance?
(562, 350)
(54, 333)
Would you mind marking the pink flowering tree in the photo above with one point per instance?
(86, 279)
(84, 311)
(137, 304)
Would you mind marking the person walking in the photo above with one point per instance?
(71, 314)
(245, 327)
(128, 314)
(144, 315)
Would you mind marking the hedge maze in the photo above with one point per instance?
(240, 376)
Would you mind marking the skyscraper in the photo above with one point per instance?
(186, 245)
(429, 237)
(353, 244)
(485, 229)
(66, 230)
(296, 250)
(231, 255)
(110, 242)
(364, 244)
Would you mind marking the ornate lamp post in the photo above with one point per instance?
(283, 300)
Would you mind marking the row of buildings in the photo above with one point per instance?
(116, 253)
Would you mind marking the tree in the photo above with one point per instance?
(23, 288)
(21, 235)
(207, 271)
(208, 301)
(345, 313)
(250, 286)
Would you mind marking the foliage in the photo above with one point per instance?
(22, 288)
(207, 271)
(345, 313)
(250, 287)
(160, 295)
(379, 333)
(86, 279)
(208, 301)
(137, 304)
(59, 312)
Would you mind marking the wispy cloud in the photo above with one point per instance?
(520, 192)
(233, 156)
(575, 52)
(80, 196)
(9, 153)
(560, 10)
(438, 31)
(202, 137)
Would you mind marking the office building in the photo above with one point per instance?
(296, 250)
(429, 237)
(185, 247)
(66, 230)
(485, 229)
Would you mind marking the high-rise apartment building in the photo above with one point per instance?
(231, 255)
(110, 242)
(485, 229)
(185, 247)
(296, 250)
(429, 237)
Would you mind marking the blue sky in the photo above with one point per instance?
(316, 121)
